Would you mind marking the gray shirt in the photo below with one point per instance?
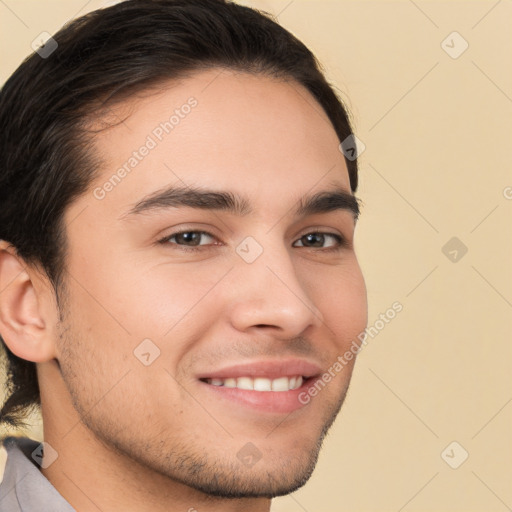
(24, 488)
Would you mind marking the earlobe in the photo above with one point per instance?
(25, 322)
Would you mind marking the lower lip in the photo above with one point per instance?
(280, 402)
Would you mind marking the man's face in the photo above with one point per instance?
(149, 322)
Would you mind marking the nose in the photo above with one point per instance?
(268, 294)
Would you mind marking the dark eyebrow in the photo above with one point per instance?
(328, 201)
(220, 200)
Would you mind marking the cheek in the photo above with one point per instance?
(139, 301)
(165, 294)
(109, 386)
(341, 299)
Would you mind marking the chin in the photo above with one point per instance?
(261, 482)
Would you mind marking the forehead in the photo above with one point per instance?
(220, 129)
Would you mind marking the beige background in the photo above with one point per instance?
(437, 132)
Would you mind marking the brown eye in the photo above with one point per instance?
(318, 239)
(188, 240)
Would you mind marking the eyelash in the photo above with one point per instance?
(341, 241)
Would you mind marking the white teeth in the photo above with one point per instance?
(298, 382)
(230, 383)
(260, 383)
(244, 383)
(281, 384)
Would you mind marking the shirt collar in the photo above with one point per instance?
(24, 488)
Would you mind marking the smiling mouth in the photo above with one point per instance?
(259, 383)
(275, 394)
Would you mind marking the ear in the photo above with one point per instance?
(28, 310)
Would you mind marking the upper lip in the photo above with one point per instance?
(271, 369)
